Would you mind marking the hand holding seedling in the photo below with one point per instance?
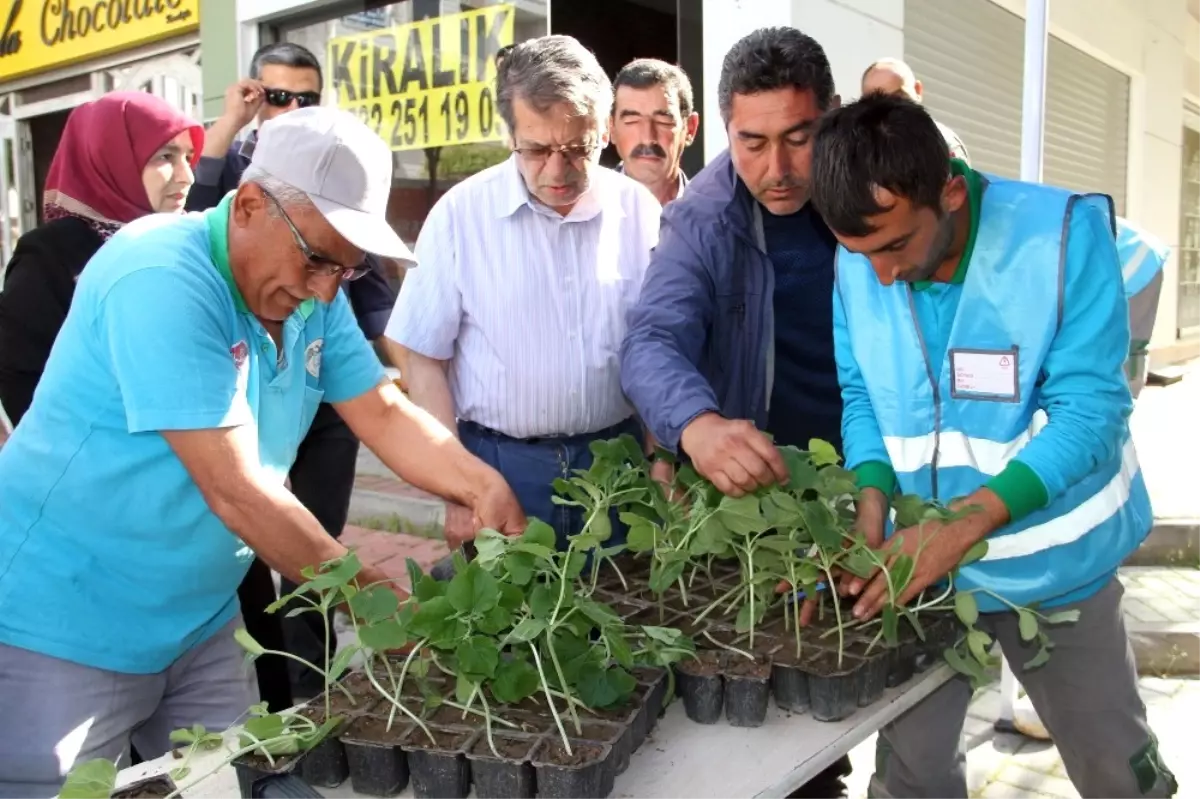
(495, 507)
(935, 547)
(733, 454)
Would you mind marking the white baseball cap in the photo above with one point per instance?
(343, 167)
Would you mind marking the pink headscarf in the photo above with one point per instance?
(96, 173)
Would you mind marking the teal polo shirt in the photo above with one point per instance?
(109, 555)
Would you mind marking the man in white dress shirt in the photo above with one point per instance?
(510, 329)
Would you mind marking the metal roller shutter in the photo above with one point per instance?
(969, 54)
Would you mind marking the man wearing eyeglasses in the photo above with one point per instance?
(509, 331)
(150, 466)
(284, 77)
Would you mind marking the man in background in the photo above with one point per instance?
(732, 337)
(893, 76)
(283, 77)
(509, 331)
(652, 124)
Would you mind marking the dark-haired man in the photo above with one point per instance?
(653, 123)
(283, 77)
(733, 332)
(981, 331)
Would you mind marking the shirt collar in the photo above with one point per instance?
(599, 197)
(217, 220)
(683, 179)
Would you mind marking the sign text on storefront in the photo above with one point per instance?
(42, 34)
(427, 83)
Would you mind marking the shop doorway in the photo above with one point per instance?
(45, 131)
(618, 31)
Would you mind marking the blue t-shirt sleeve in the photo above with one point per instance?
(349, 367)
(1084, 391)
(167, 334)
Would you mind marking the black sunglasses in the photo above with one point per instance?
(282, 98)
(317, 263)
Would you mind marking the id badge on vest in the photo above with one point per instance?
(985, 375)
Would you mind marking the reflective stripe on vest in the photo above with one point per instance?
(1142, 256)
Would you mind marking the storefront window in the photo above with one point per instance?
(422, 74)
(1189, 237)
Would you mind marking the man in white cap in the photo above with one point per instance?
(150, 467)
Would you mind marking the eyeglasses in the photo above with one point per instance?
(575, 153)
(282, 98)
(316, 263)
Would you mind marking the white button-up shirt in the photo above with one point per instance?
(528, 305)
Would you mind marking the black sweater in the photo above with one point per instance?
(38, 287)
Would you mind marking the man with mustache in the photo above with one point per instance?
(652, 124)
(981, 332)
(509, 330)
(733, 333)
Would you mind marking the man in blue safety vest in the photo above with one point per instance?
(980, 331)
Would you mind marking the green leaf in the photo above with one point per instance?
(428, 589)
(802, 474)
(545, 597)
(901, 572)
(1028, 625)
(490, 546)
(495, 621)
(432, 618)
(640, 537)
(478, 657)
(966, 608)
(619, 647)
(747, 620)
(473, 590)
(822, 525)
(594, 687)
(511, 597)
(464, 688)
(662, 576)
(1040, 659)
(742, 515)
(909, 509)
(857, 562)
(93, 779)
(666, 635)
(600, 528)
(337, 572)
(306, 741)
(375, 603)
(415, 573)
(891, 624)
(538, 532)
(515, 680)
(599, 613)
(341, 662)
(979, 642)
(253, 647)
(383, 635)
(976, 552)
(519, 566)
(823, 453)
(527, 630)
(915, 621)
(1063, 617)
(965, 666)
(575, 563)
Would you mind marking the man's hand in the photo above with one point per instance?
(663, 473)
(942, 547)
(733, 454)
(497, 508)
(242, 102)
(459, 526)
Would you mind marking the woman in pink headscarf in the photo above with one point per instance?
(124, 156)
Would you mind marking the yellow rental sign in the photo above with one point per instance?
(427, 83)
(37, 35)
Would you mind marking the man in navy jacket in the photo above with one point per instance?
(285, 76)
(733, 332)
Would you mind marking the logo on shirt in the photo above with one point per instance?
(312, 357)
(1004, 362)
(240, 353)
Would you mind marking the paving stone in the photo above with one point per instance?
(1034, 782)
(1039, 756)
(1143, 612)
(985, 705)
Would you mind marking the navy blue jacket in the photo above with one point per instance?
(699, 336)
(370, 296)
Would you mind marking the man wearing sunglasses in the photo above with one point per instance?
(150, 468)
(285, 77)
